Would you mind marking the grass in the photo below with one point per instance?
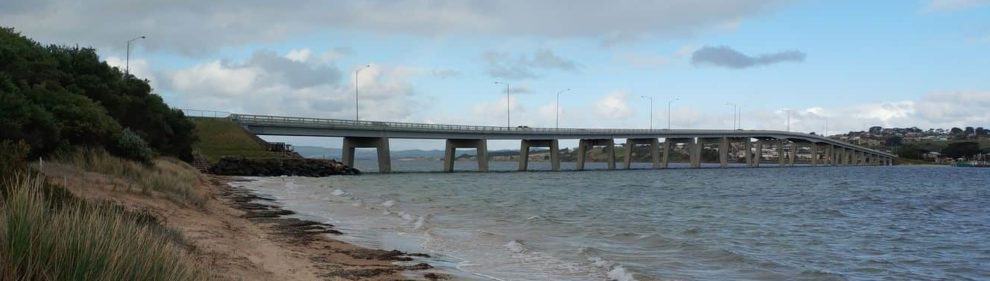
(222, 137)
(46, 234)
(173, 178)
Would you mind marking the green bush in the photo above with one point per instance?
(56, 96)
(13, 157)
(131, 146)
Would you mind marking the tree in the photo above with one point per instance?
(961, 149)
(893, 141)
(876, 130)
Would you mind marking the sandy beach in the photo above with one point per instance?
(239, 236)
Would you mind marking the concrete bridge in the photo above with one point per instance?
(374, 134)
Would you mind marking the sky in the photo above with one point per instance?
(850, 64)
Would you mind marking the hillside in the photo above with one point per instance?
(221, 137)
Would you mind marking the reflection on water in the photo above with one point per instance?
(858, 223)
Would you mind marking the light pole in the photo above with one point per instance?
(651, 110)
(508, 114)
(668, 112)
(735, 110)
(127, 63)
(826, 127)
(788, 119)
(357, 112)
(556, 109)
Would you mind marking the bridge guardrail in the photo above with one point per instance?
(425, 127)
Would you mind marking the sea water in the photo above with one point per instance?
(800, 223)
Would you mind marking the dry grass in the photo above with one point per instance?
(46, 234)
(170, 177)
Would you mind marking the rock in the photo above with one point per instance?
(271, 167)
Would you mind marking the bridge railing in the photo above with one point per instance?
(425, 127)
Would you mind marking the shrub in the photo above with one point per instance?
(13, 157)
(131, 146)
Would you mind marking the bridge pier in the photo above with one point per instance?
(665, 160)
(654, 151)
(792, 154)
(380, 145)
(586, 144)
(758, 153)
(453, 144)
(748, 150)
(814, 154)
(723, 152)
(695, 151)
(524, 146)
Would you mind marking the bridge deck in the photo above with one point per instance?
(302, 126)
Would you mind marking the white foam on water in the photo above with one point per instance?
(419, 223)
(338, 192)
(618, 273)
(388, 203)
(515, 247)
(405, 216)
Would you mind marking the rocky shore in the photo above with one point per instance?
(272, 167)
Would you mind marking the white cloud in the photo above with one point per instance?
(299, 55)
(614, 105)
(198, 27)
(506, 66)
(271, 84)
(139, 68)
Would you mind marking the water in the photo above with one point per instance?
(829, 223)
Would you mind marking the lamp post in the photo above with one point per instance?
(357, 111)
(508, 114)
(668, 111)
(556, 109)
(127, 63)
(788, 119)
(735, 110)
(651, 109)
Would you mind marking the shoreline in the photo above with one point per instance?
(236, 235)
(336, 258)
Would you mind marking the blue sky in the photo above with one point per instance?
(854, 63)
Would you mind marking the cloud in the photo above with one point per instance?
(953, 5)
(614, 105)
(294, 84)
(505, 66)
(445, 73)
(199, 27)
(727, 57)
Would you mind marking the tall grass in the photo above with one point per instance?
(173, 178)
(69, 239)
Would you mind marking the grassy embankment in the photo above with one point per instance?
(222, 137)
(49, 233)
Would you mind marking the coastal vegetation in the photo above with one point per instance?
(221, 137)
(87, 124)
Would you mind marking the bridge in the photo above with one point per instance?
(375, 134)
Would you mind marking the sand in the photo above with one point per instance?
(237, 236)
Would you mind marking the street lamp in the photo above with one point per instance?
(668, 111)
(651, 110)
(508, 115)
(127, 63)
(556, 109)
(357, 112)
(735, 110)
(788, 119)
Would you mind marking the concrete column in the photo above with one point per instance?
(523, 155)
(453, 144)
(830, 153)
(723, 152)
(665, 162)
(525, 145)
(695, 151)
(380, 145)
(781, 160)
(654, 151)
(627, 157)
(792, 155)
(585, 144)
(758, 154)
(582, 154)
(814, 154)
(748, 150)
(611, 153)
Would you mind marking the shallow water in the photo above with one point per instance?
(802, 223)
